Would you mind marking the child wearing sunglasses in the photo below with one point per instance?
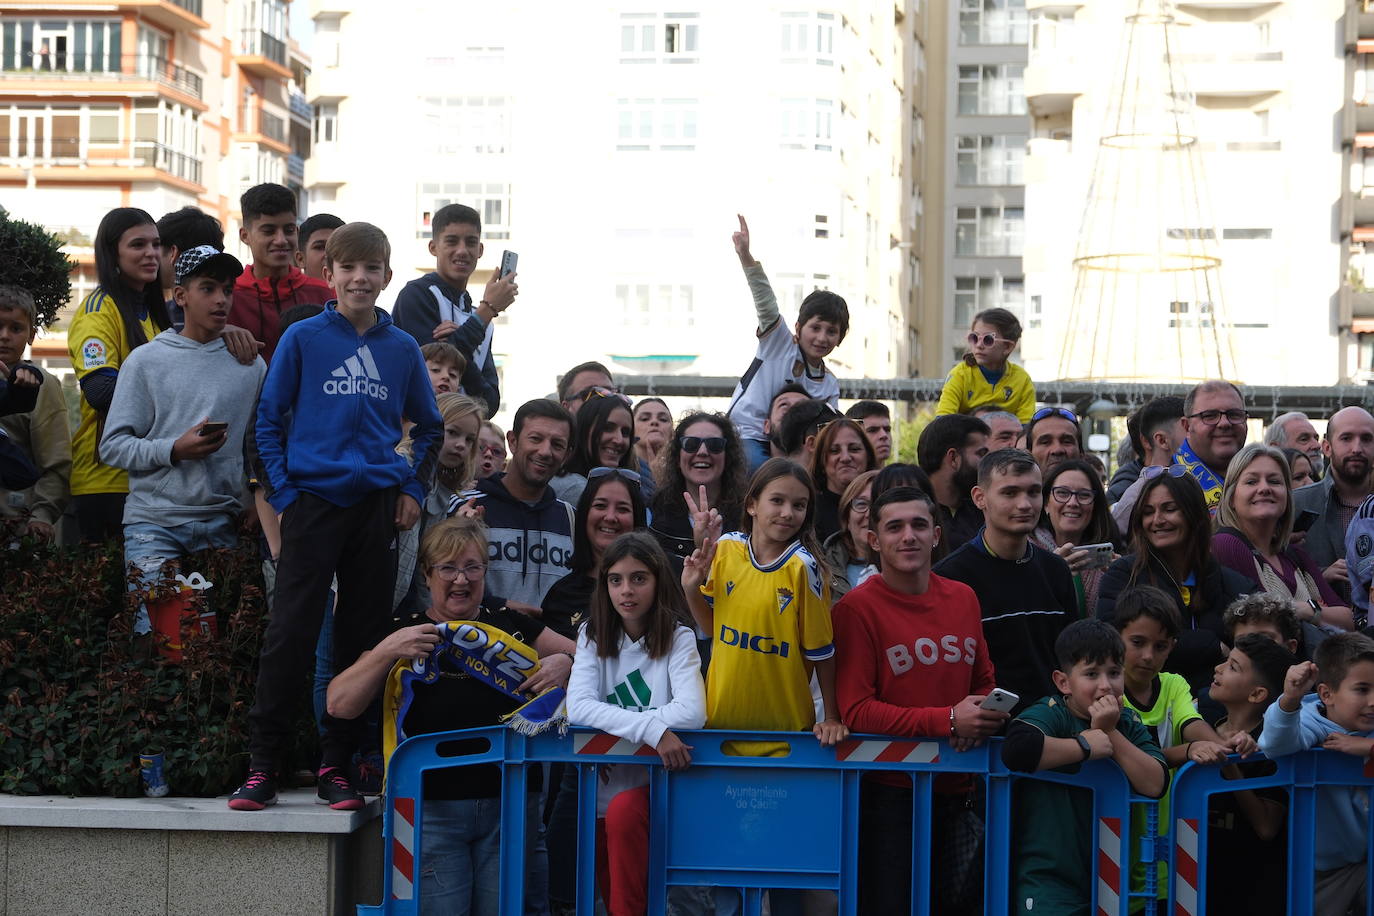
(987, 377)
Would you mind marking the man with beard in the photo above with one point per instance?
(1025, 593)
(529, 528)
(1053, 435)
(788, 396)
(1214, 418)
(949, 450)
(1348, 447)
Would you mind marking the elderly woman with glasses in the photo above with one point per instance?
(461, 818)
(1075, 516)
(700, 471)
(1254, 531)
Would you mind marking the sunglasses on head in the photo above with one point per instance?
(1173, 470)
(1044, 412)
(692, 444)
(987, 340)
(600, 391)
(627, 476)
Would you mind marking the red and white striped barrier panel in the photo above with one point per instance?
(888, 751)
(601, 743)
(403, 848)
(1108, 865)
(1185, 884)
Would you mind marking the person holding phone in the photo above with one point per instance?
(1254, 537)
(177, 425)
(1078, 527)
(911, 661)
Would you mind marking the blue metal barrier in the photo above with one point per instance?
(1303, 775)
(745, 822)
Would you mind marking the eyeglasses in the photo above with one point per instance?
(987, 340)
(860, 505)
(488, 449)
(628, 476)
(448, 572)
(1173, 470)
(1044, 412)
(1064, 494)
(692, 444)
(1235, 416)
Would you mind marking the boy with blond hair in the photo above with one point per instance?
(347, 377)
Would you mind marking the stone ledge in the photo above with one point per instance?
(294, 812)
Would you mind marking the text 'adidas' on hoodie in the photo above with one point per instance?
(259, 301)
(346, 395)
(530, 544)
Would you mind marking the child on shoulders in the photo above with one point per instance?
(987, 377)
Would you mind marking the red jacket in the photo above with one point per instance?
(903, 661)
(258, 303)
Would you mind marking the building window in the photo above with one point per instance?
(992, 22)
(989, 231)
(808, 38)
(326, 45)
(991, 89)
(807, 124)
(468, 124)
(1246, 235)
(668, 125)
(650, 38)
(325, 128)
(491, 201)
(645, 304)
(792, 288)
(991, 160)
(974, 294)
(60, 45)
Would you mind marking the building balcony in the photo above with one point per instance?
(329, 8)
(326, 167)
(1055, 6)
(295, 170)
(1364, 19)
(88, 74)
(1225, 4)
(1238, 75)
(262, 55)
(149, 162)
(263, 128)
(326, 84)
(178, 15)
(302, 112)
(1052, 81)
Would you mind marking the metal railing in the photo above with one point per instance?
(165, 159)
(271, 126)
(254, 41)
(87, 67)
(190, 6)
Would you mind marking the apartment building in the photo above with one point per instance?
(154, 104)
(612, 147)
(1260, 83)
(1355, 309)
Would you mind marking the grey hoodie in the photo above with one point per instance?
(165, 388)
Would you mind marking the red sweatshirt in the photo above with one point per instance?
(258, 303)
(903, 661)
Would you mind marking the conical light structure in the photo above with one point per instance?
(1147, 300)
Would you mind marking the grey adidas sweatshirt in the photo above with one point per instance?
(166, 387)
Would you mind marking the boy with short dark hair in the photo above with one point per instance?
(1247, 854)
(313, 235)
(446, 367)
(40, 429)
(1054, 836)
(348, 377)
(578, 383)
(876, 420)
(782, 357)
(181, 230)
(1339, 717)
(438, 305)
(177, 425)
(271, 284)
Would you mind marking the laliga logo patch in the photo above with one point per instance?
(785, 597)
(93, 353)
(1363, 543)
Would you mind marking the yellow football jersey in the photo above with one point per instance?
(769, 622)
(97, 343)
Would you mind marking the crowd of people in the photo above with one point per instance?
(769, 568)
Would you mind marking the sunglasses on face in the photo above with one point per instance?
(986, 340)
(692, 444)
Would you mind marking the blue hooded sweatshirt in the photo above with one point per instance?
(345, 396)
(1342, 811)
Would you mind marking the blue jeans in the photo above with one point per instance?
(460, 861)
(147, 547)
(756, 452)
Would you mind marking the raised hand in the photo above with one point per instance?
(706, 521)
(741, 240)
(696, 569)
(1299, 681)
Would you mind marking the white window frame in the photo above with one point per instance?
(658, 125)
(809, 37)
(324, 124)
(994, 159)
(993, 22)
(997, 89)
(644, 302)
(973, 294)
(491, 200)
(807, 124)
(989, 232)
(468, 125)
(660, 38)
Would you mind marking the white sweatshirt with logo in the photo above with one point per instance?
(635, 697)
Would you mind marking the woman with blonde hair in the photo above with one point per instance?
(1254, 536)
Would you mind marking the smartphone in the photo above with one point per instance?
(213, 428)
(1100, 555)
(1305, 520)
(1000, 700)
(508, 259)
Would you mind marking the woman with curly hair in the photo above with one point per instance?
(703, 453)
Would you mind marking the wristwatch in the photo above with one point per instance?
(1083, 743)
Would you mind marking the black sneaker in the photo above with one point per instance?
(257, 792)
(366, 773)
(336, 791)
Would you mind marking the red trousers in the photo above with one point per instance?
(622, 854)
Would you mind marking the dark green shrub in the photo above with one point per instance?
(33, 261)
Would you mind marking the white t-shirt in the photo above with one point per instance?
(777, 362)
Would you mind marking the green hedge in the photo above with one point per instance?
(80, 697)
